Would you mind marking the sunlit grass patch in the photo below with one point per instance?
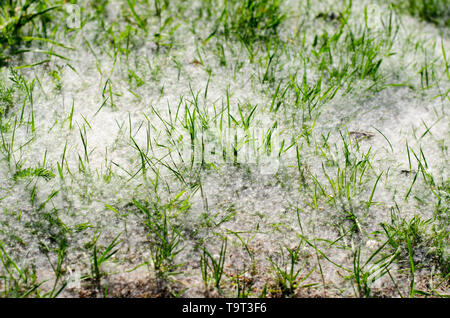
(256, 148)
(435, 11)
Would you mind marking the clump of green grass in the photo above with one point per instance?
(101, 255)
(288, 276)
(420, 244)
(16, 281)
(360, 51)
(208, 263)
(342, 191)
(252, 20)
(6, 99)
(34, 172)
(166, 239)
